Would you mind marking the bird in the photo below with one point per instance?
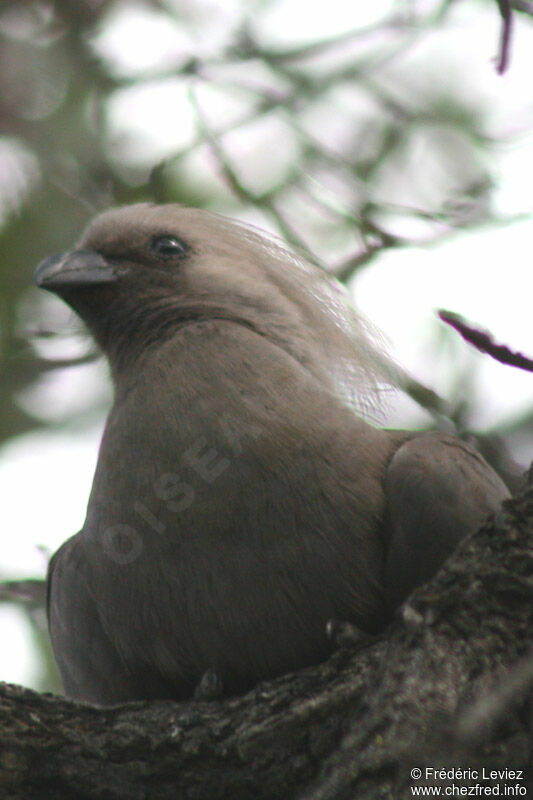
(243, 495)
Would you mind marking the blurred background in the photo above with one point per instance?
(379, 136)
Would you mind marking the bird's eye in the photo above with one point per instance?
(168, 246)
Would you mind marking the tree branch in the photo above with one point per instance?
(506, 14)
(484, 342)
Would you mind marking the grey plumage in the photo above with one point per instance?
(239, 500)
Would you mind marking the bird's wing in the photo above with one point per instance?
(89, 666)
(438, 490)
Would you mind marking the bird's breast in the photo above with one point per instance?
(235, 509)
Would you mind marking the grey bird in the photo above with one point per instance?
(240, 500)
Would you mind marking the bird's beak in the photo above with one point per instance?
(75, 268)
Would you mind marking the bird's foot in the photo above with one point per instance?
(346, 635)
(210, 686)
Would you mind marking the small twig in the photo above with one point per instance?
(484, 342)
(505, 38)
(29, 592)
(346, 270)
(301, 52)
(523, 5)
(227, 170)
(263, 201)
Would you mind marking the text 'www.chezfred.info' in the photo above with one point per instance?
(468, 782)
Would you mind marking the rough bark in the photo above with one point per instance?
(449, 684)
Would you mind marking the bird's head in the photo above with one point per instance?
(139, 273)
